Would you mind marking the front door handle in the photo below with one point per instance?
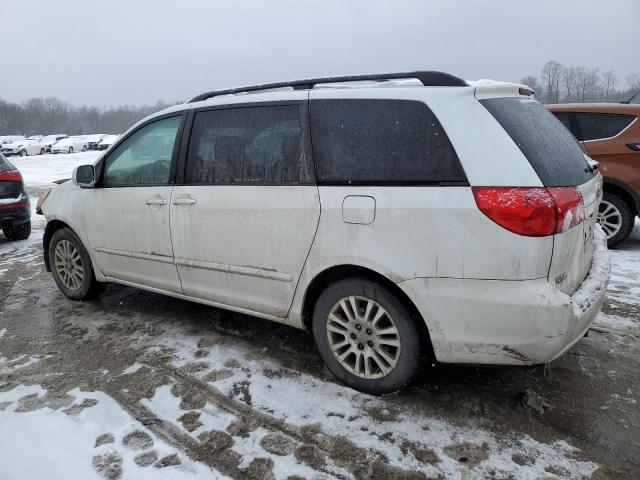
(156, 201)
(184, 201)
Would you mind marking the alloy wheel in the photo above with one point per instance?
(68, 264)
(363, 337)
(609, 218)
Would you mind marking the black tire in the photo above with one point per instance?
(626, 214)
(89, 286)
(70, 149)
(23, 153)
(84, 148)
(42, 151)
(17, 232)
(409, 355)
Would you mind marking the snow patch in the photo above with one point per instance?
(598, 277)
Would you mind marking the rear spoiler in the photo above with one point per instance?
(494, 89)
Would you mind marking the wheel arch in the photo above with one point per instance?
(622, 190)
(339, 272)
(50, 229)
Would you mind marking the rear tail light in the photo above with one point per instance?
(531, 211)
(11, 176)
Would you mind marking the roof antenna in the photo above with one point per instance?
(627, 102)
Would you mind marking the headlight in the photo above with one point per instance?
(41, 201)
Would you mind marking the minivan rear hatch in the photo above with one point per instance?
(559, 161)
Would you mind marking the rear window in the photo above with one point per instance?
(594, 126)
(552, 151)
(5, 165)
(362, 141)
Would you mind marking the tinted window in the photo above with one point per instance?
(248, 145)
(564, 118)
(144, 158)
(5, 165)
(552, 150)
(381, 141)
(601, 125)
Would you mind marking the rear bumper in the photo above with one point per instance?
(17, 213)
(508, 322)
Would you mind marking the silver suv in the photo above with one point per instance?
(395, 216)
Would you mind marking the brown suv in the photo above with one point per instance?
(610, 133)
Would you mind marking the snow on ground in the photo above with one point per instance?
(68, 439)
(302, 399)
(42, 170)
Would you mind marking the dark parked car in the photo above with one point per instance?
(15, 209)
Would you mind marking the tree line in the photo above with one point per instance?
(44, 116)
(558, 83)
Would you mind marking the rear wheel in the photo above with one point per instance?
(17, 232)
(71, 266)
(70, 149)
(42, 151)
(615, 218)
(84, 148)
(366, 336)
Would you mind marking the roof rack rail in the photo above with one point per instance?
(428, 79)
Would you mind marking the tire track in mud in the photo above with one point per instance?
(311, 443)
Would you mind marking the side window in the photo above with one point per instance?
(381, 141)
(144, 158)
(259, 145)
(594, 126)
(565, 119)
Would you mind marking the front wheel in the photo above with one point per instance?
(17, 232)
(84, 148)
(23, 153)
(71, 266)
(42, 151)
(366, 336)
(70, 149)
(615, 218)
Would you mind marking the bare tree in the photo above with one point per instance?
(610, 82)
(569, 78)
(552, 73)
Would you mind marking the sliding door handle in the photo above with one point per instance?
(184, 201)
(156, 201)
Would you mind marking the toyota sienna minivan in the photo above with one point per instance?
(397, 217)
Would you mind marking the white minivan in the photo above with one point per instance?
(398, 217)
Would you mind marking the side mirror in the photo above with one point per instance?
(84, 176)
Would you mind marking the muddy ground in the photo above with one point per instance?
(576, 418)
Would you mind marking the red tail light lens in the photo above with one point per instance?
(11, 176)
(569, 207)
(531, 211)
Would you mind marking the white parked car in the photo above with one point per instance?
(107, 141)
(21, 147)
(48, 141)
(94, 140)
(416, 216)
(70, 145)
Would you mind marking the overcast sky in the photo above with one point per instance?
(139, 51)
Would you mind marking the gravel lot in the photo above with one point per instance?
(138, 385)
